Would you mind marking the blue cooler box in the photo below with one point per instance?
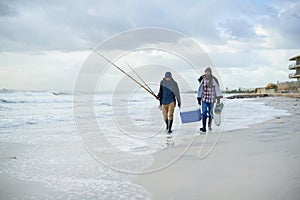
(191, 116)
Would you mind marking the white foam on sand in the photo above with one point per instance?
(242, 113)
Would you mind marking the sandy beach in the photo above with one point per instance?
(260, 162)
(42, 156)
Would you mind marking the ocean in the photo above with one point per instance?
(93, 150)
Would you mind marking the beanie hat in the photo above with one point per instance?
(208, 69)
(168, 75)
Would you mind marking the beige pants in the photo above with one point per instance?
(168, 110)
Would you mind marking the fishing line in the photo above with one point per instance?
(141, 85)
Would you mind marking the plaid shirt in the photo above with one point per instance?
(208, 93)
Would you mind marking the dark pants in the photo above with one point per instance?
(207, 110)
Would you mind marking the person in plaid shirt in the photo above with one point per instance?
(208, 93)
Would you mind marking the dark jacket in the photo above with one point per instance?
(168, 92)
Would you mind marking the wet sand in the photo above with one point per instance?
(261, 162)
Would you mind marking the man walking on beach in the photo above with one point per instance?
(208, 92)
(168, 94)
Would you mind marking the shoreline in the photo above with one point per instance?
(259, 162)
(261, 95)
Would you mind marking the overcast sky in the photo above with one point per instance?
(45, 43)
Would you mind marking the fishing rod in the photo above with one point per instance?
(140, 77)
(109, 61)
(8, 157)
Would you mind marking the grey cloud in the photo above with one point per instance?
(285, 24)
(239, 29)
(6, 10)
(56, 26)
(78, 25)
(289, 21)
(141, 38)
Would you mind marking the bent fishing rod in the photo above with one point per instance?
(109, 61)
(140, 78)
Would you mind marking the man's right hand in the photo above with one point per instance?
(199, 100)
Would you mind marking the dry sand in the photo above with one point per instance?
(261, 162)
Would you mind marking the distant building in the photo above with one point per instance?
(261, 90)
(295, 66)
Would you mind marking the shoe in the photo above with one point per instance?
(203, 130)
